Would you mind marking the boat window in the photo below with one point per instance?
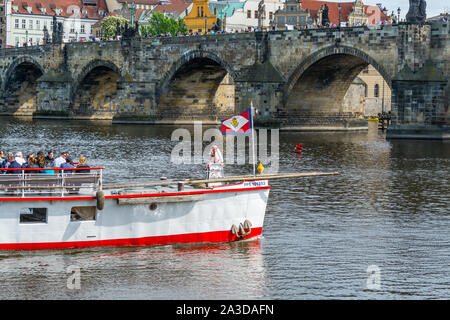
(33, 215)
(82, 213)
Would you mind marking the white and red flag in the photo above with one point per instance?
(240, 124)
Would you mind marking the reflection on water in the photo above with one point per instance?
(389, 208)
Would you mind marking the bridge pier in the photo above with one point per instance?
(420, 104)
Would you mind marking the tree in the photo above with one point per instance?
(159, 23)
(109, 26)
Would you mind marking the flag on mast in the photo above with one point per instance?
(239, 124)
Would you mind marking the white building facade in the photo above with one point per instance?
(246, 18)
(25, 20)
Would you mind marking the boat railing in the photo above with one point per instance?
(50, 181)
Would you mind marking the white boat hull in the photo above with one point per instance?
(144, 219)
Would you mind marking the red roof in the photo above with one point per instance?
(346, 9)
(92, 12)
(149, 2)
(175, 6)
(333, 11)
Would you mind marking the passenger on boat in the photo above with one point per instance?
(67, 164)
(31, 162)
(2, 154)
(49, 158)
(12, 164)
(60, 160)
(41, 159)
(20, 159)
(82, 164)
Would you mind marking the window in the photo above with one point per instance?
(33, 215)
(24, 24)
(202, 11)
(30, 24)
(376, 91)
(16, 24)
(82, 29)
(37, 25)
(270, 15)
(249, 14)
(256, 14)
(72, 28)
(82, 213)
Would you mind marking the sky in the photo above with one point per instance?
(434, 7)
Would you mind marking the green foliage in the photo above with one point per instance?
(109, 26)
(158, 23)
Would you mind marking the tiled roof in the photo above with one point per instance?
(51, 6)
(174, 6)
(346, 9)
(333, 10)
(149, 2)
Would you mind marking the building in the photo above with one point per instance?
(377, 92)
(350, 13)
(292, 15)
(27, 19)
(2, 24)
(200, 19)
(249, 15)
(176, 8)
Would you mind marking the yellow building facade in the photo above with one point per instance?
(200, 19)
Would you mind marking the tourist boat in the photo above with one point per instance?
(72, 210)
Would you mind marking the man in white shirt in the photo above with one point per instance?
(19, 158)
(60, 160)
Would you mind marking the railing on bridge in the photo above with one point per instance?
(50, 181)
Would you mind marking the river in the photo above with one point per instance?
(387, 212)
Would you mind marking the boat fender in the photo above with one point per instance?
(100, 200)
(234, 229)
(247, 225)
(241, 231)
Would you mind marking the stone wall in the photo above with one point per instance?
(294, 79)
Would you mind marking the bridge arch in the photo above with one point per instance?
(94, 92)
(19, 86)
(197, 84)
(320, 82)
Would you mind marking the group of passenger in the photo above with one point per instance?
(42, 161)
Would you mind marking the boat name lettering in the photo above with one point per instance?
(255, 184)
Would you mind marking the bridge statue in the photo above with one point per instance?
(417, 11)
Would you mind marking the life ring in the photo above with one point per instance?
(100, 200)
(298, 148)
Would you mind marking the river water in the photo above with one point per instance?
(388, 211)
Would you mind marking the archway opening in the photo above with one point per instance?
(96, 94)
(340, 85)
(199, 89)
(21, 89)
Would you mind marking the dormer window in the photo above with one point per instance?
(29, 9)
(58, 11)
(43, 10)
(15, 8)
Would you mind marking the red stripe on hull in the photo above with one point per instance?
(214, 236)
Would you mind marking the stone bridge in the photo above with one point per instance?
(296, 79)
